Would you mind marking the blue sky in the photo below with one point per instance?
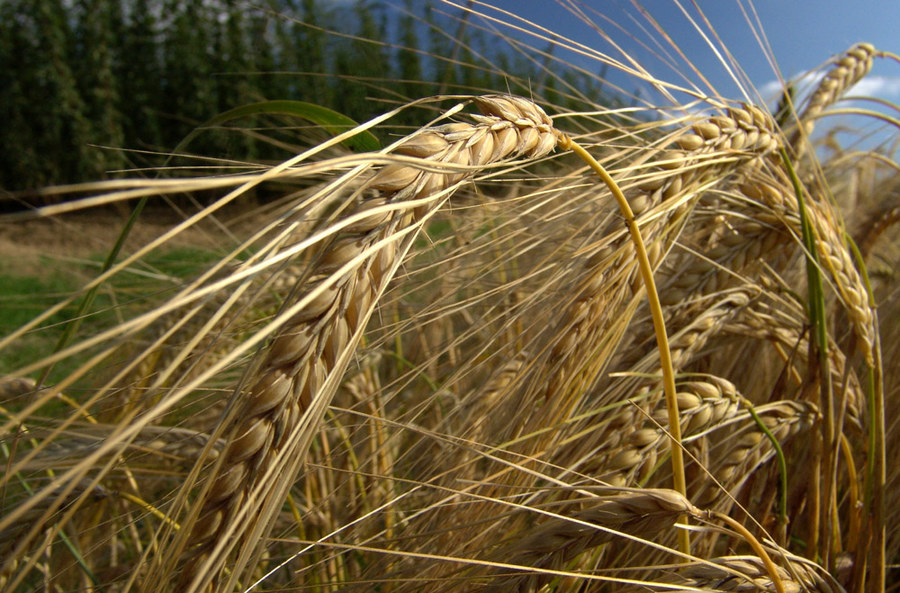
(802, 34)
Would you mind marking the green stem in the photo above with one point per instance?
(820, 339)
(88, 301)
(782, 464)
(876, 460)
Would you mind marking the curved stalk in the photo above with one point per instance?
(659, 326)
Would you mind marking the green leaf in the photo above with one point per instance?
(329, 120)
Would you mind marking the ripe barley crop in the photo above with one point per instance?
(436, 365)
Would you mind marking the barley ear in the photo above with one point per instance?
(849, 68)
(641, 513)
(280, 411)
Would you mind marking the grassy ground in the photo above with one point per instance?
(47, 262)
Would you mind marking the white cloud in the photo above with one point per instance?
(881, 87)
(770, 91)
(803, 85)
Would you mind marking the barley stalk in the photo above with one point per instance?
(705, 149)
(177, 446)
(834, 254)
(732, 142)
(709, 147)
(728, 243)
(849, 69)
(784, 420)
(299, 372)
(787, 331)
(749, 130)
(696, 322)
(702, 405)
(514, 370)
(553, 544)
(748, 573)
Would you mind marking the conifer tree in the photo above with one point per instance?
(233, 61)
(139, 72)
(409, 64)
(361, 62)
(262, 31)
(187, 85)
(144, 73)
(285, 53)
(233, 84)
(21, 161)
(93, 37)
(52, 105)
(311, 62)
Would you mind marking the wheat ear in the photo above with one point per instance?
(294, 384)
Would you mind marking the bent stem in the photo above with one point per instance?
(782, 468)
(659, 326)
(757, 548)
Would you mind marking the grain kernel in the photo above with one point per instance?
(424, 144)
(268, 392)
(627, 458)
(251, 442)
(707, 130)
(690, 142)
(394, 178)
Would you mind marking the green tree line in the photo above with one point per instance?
(81, 80)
